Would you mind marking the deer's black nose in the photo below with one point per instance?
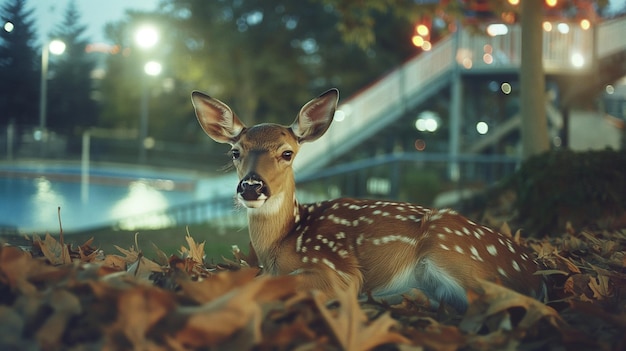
(251, 186)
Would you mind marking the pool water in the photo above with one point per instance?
(30, 195)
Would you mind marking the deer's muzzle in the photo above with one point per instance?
(252, 191)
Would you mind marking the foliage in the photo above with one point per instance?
(19, 66)
(579, 187)
(264, 58)
(70, 95)
(59, 296)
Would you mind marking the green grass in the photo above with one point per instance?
(219, 241)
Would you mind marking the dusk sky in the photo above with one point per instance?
(94, 13)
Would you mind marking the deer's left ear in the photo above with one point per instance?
(315, 116)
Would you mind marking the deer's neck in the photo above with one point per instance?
(269, 224)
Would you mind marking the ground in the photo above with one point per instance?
(60, 296)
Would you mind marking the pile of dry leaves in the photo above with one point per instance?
(56, 296)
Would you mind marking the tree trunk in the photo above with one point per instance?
(532, 80)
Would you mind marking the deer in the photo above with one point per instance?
(383, 248)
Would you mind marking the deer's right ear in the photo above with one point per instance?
(217, 119)
(315, 116)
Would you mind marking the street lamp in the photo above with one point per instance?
(55, 47)
(146, 37)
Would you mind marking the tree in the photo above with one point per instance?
(265, 58)
(19, 65)
(70, 93)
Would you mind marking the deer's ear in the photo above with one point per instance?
(217, 119)
(315, 116)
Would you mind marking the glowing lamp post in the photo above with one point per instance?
(55, 47)
(146, 38)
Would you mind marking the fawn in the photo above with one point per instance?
(382, 247)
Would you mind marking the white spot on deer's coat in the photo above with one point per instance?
(444, 247)
(447, 230)
(405, 239)
(492, 250)
(340, 235)
(458, 249)
(458, 232)
(359, 239)
(441, 236)
(510, 246)
(316, 247)
(466, 231)
(502, 272)
(516, 266)
(343, 253)
(366, 220)
(475, 253)
(314, 260)
(299, 243)
(328, 263)
(305, 259)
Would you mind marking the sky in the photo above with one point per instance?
(94, 13)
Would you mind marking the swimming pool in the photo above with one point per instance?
(31, 193)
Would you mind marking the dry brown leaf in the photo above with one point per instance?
(161, 258)
(217, 321)
(143, 268)
(570, 265)
(195, 251)
(496, 299)
(54, 251)
(138, 310)
(216, 285)
(131, 255)
(578, 286)
(64, 305)
(115, 262)
(437, 336)
(350, 325)
(600, 287)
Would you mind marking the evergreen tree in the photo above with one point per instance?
(70, 91)
(19, 66)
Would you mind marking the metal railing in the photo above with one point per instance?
(569, 49)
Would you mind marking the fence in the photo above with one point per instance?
(415, 177)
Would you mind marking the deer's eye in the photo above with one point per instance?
(235, 154)
(287, 155)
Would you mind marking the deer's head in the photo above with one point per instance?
(263, 154)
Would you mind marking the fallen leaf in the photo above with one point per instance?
(138, 310)
(351, 327)
(54, 251)
(495, 299)
(216, 285)
(217, 321)
(64, 305)
(195, 251)
(600, 287)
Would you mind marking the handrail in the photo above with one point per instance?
(568, 50)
